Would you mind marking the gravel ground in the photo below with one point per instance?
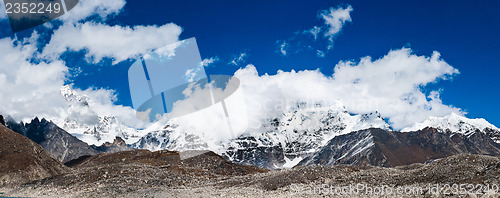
(471, 173)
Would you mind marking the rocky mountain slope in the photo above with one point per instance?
(22, 160)
(128, 171)
(379, 147)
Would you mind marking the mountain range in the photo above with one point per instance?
(304, 134)
(328, 135)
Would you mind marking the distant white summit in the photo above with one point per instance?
(454, 123)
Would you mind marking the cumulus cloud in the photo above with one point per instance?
(32, 71)
(391, 85)
(101, 103)
(29, 89)
(117, 42)
(218, 108)
(333, 19)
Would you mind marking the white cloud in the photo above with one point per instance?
(87, 8)
(334, 21)
(314, 32)
(214, 122)
(240, 59)
(117, 42)
(283, 47)
(320, 53)
(29, 89)
(390, 85)
(208, 61)
(102, 104)
(31, 80)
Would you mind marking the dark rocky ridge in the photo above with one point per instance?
(379, 147)
(62, 145)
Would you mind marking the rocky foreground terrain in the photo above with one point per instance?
(142, 173)
(28, 170)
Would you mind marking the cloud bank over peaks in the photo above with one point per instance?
(31, 80)
(32, 70)
(29, 89)
(86, 106)
(391, 85)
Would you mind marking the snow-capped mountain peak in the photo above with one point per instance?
(458, 124)
(454, 123)
(86, 124)
(299, 131)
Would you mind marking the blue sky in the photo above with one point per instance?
(464, 32)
